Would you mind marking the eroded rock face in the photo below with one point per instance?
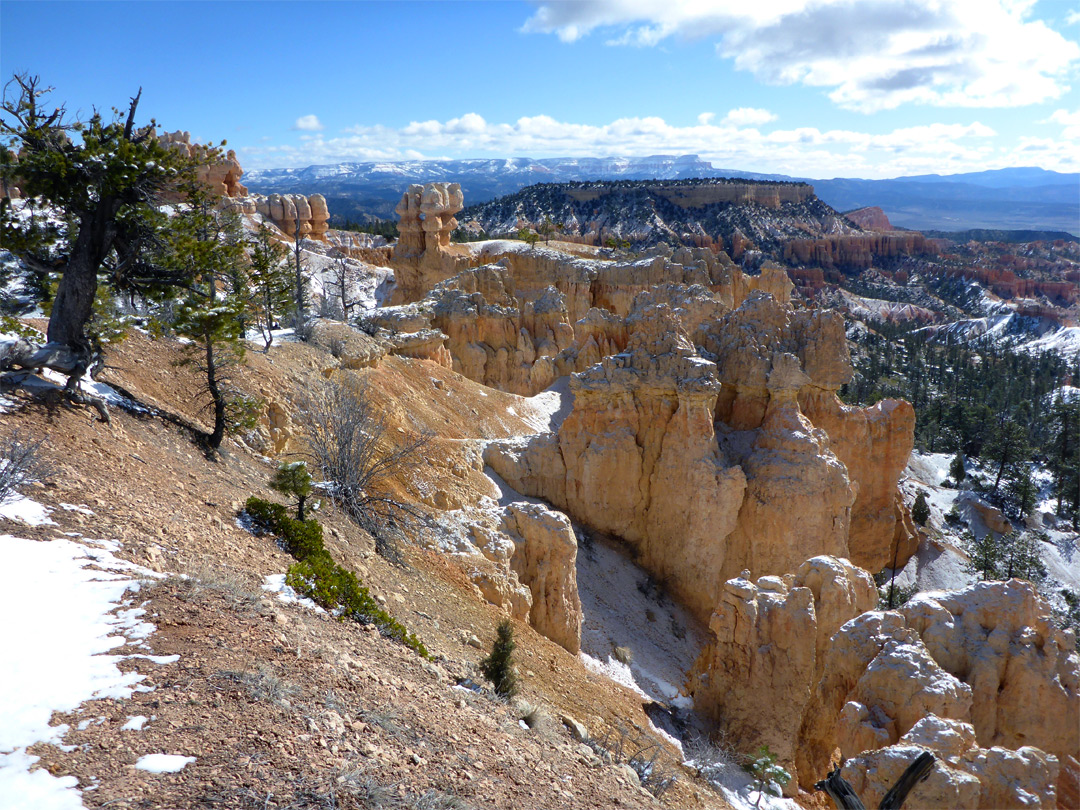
(293, 212)
(220, 177)
(769, 640)
(964, 775)
(422, 256)
(985, 658)
(689, 459)
(999, 637)
(545, 559)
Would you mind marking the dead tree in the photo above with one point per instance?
(343, 276)
(845, 798)
(361, 460)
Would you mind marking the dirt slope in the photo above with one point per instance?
(283, 706)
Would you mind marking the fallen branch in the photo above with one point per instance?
(845, 798)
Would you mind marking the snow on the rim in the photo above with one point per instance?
(56, 653)
(163, 763)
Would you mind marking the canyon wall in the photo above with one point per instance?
(857, 252)
(699, 194)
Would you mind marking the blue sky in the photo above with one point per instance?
(820, 88)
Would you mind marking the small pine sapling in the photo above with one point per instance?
(499, 666)
(920, 510)
(768, 775)
(293, 480)
(956, 467)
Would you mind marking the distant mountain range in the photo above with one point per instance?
(1002, 199)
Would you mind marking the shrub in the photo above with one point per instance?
(301, 538)
(316, 576)
(20, 463)
(499, 666)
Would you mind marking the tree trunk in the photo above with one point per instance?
(218, 434)
(74, 303)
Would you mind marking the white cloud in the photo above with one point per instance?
(801, 151)
(308, 123)
(706, 117)
(748, 117)
(1072, 18)
(869, 54)
(1070, 121)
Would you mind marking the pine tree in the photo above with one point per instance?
(920, 510)
(956, 467)
(499, 666)
(1005, 556)
(293, 480)
(271, 295)
(203, 244)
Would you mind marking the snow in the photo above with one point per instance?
(275, 583)
(25, 510)
(163, 763)
(620, 609)
(62, 659)
(546, 411)
(134, 723)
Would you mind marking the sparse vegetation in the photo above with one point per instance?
(498, 667)
(358, 458)
(21, 463)
(317, 577)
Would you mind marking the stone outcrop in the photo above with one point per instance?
(857, 252)
(871, 218)
(290, 212)
(422, 256)
(220, 177)
(769, 642)
(986, 659)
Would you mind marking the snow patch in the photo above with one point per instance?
(134, 723)
(62, 660)
(163, 763)
(26, 511)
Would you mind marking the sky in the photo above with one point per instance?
(810, 88)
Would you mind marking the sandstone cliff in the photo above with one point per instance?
(978, 676)
(221, 177)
